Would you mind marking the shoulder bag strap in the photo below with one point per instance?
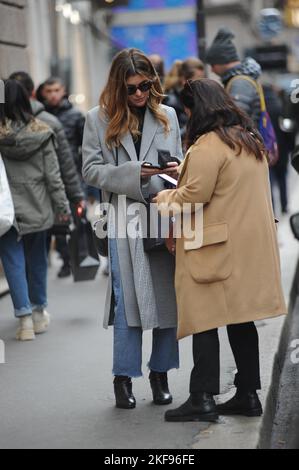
(256, 85)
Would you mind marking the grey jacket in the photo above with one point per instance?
(68, 168)
(244, 93)
(147, 279)
(33, 174)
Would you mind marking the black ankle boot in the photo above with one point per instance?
(159, 385)
(199, 407)
(243, 403)
(123, 393)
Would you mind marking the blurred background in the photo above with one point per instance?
(77, 39)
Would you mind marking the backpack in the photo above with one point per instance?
(265, 125)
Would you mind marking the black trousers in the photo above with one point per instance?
(205, 376)
(279, 175)
(61, 247)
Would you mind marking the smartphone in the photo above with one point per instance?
(151, 165)
(164, 157)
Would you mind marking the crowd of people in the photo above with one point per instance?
(57, 161)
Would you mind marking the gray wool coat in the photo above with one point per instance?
(147, 279)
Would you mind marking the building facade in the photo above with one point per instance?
(13, 36)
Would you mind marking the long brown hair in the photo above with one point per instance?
(212, 109)
(114, 99)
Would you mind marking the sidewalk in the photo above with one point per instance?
(239, 432)
(57, 392)
(3, 283)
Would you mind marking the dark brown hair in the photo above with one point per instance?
(17, 105)
(212, 109)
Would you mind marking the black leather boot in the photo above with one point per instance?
(200, 406)
(159, 384)
(123, 393)
(243, 403)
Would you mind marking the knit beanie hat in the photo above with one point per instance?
(222, 50)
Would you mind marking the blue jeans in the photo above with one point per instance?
(25, 265)
(128, 340)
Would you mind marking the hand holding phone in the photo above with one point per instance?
(164, 158)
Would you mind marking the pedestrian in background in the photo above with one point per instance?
(159, 65)
(233, 277)
(26, 145)
(286, 144)
(172, 88)
(54, 97)
(192, 68)
(120, 136)
(225, 61)
(69, 173)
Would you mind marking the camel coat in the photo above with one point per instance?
(234, 276)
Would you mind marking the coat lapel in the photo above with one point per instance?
(149, 130)
(128, 144)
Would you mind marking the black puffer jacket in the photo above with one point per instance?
(245, 93)
(70, 176)
(285, 140)
(73, 123)
(173, 100)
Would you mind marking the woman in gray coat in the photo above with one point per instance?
(27, 149)
(124, 132)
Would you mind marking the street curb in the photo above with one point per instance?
(280, 425)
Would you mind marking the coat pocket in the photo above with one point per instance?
(213, 261)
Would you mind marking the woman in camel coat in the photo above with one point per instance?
(232, 277)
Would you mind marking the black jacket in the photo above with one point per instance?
(285, 141)
(68, 168)
(73, 123)
(173, 100)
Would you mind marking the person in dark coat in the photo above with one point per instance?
(285, 142)
(56, 103)
(53, 93)
(225, 62)
(69, 172)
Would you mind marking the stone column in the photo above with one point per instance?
(13, 37)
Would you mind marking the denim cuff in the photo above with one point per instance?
(23, 312)
(39, 308)
(127, 373)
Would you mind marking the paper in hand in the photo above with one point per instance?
(169, 179)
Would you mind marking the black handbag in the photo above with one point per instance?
(100, 226)
(84, 258)
(153, 243)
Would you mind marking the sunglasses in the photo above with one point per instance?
(144, 86)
